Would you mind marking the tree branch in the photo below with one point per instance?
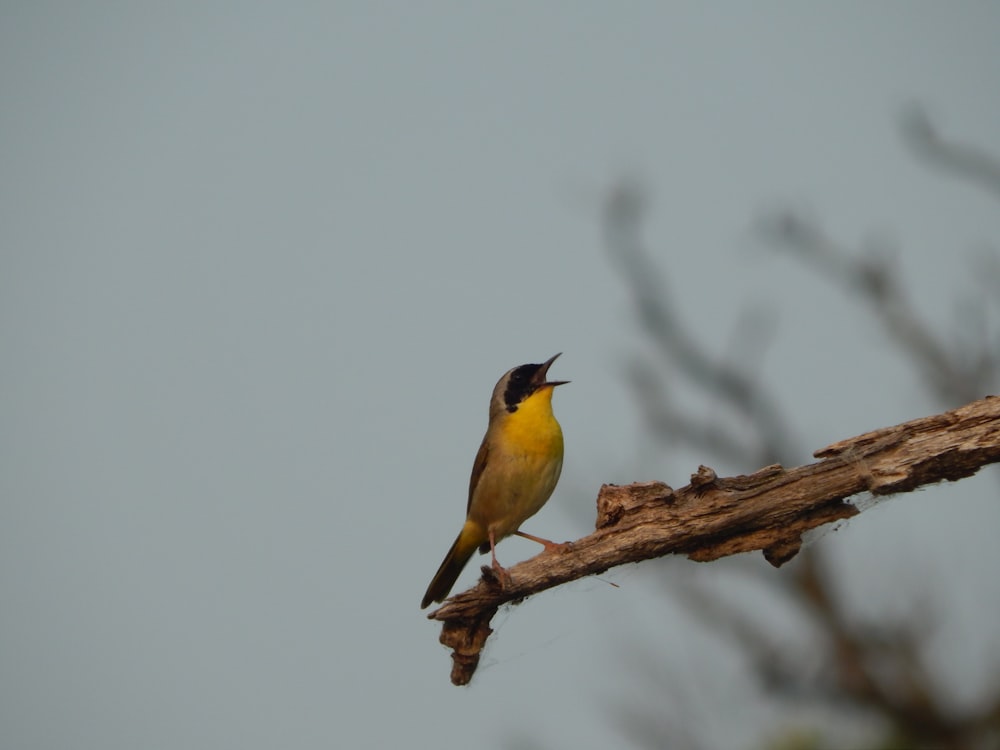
(713, 517)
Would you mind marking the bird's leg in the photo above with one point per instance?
(493, 553)
(549, 546)
(502, 575)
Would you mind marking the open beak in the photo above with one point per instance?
(543, 371)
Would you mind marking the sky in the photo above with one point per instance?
(261, 265)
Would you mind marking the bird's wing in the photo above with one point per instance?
(477, 471)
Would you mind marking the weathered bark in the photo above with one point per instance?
(714, 517)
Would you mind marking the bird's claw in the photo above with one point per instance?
(496, 576)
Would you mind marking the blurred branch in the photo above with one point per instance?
(776, 669)
(960, 159)
(876, 280)
(903, 695)
(729, 386)
(665, 420)
(881, 668)
(713, 517)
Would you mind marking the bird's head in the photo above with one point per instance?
(521, 382)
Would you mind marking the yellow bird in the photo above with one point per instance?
(515, 471)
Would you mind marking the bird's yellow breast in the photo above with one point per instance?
(533, 427)
(523, 465)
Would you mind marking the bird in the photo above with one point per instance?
(515, 471)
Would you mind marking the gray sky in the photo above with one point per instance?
(262, 265)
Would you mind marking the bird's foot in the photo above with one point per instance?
(548, 545)
(496, 575)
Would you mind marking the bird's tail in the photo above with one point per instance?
(470, 537)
